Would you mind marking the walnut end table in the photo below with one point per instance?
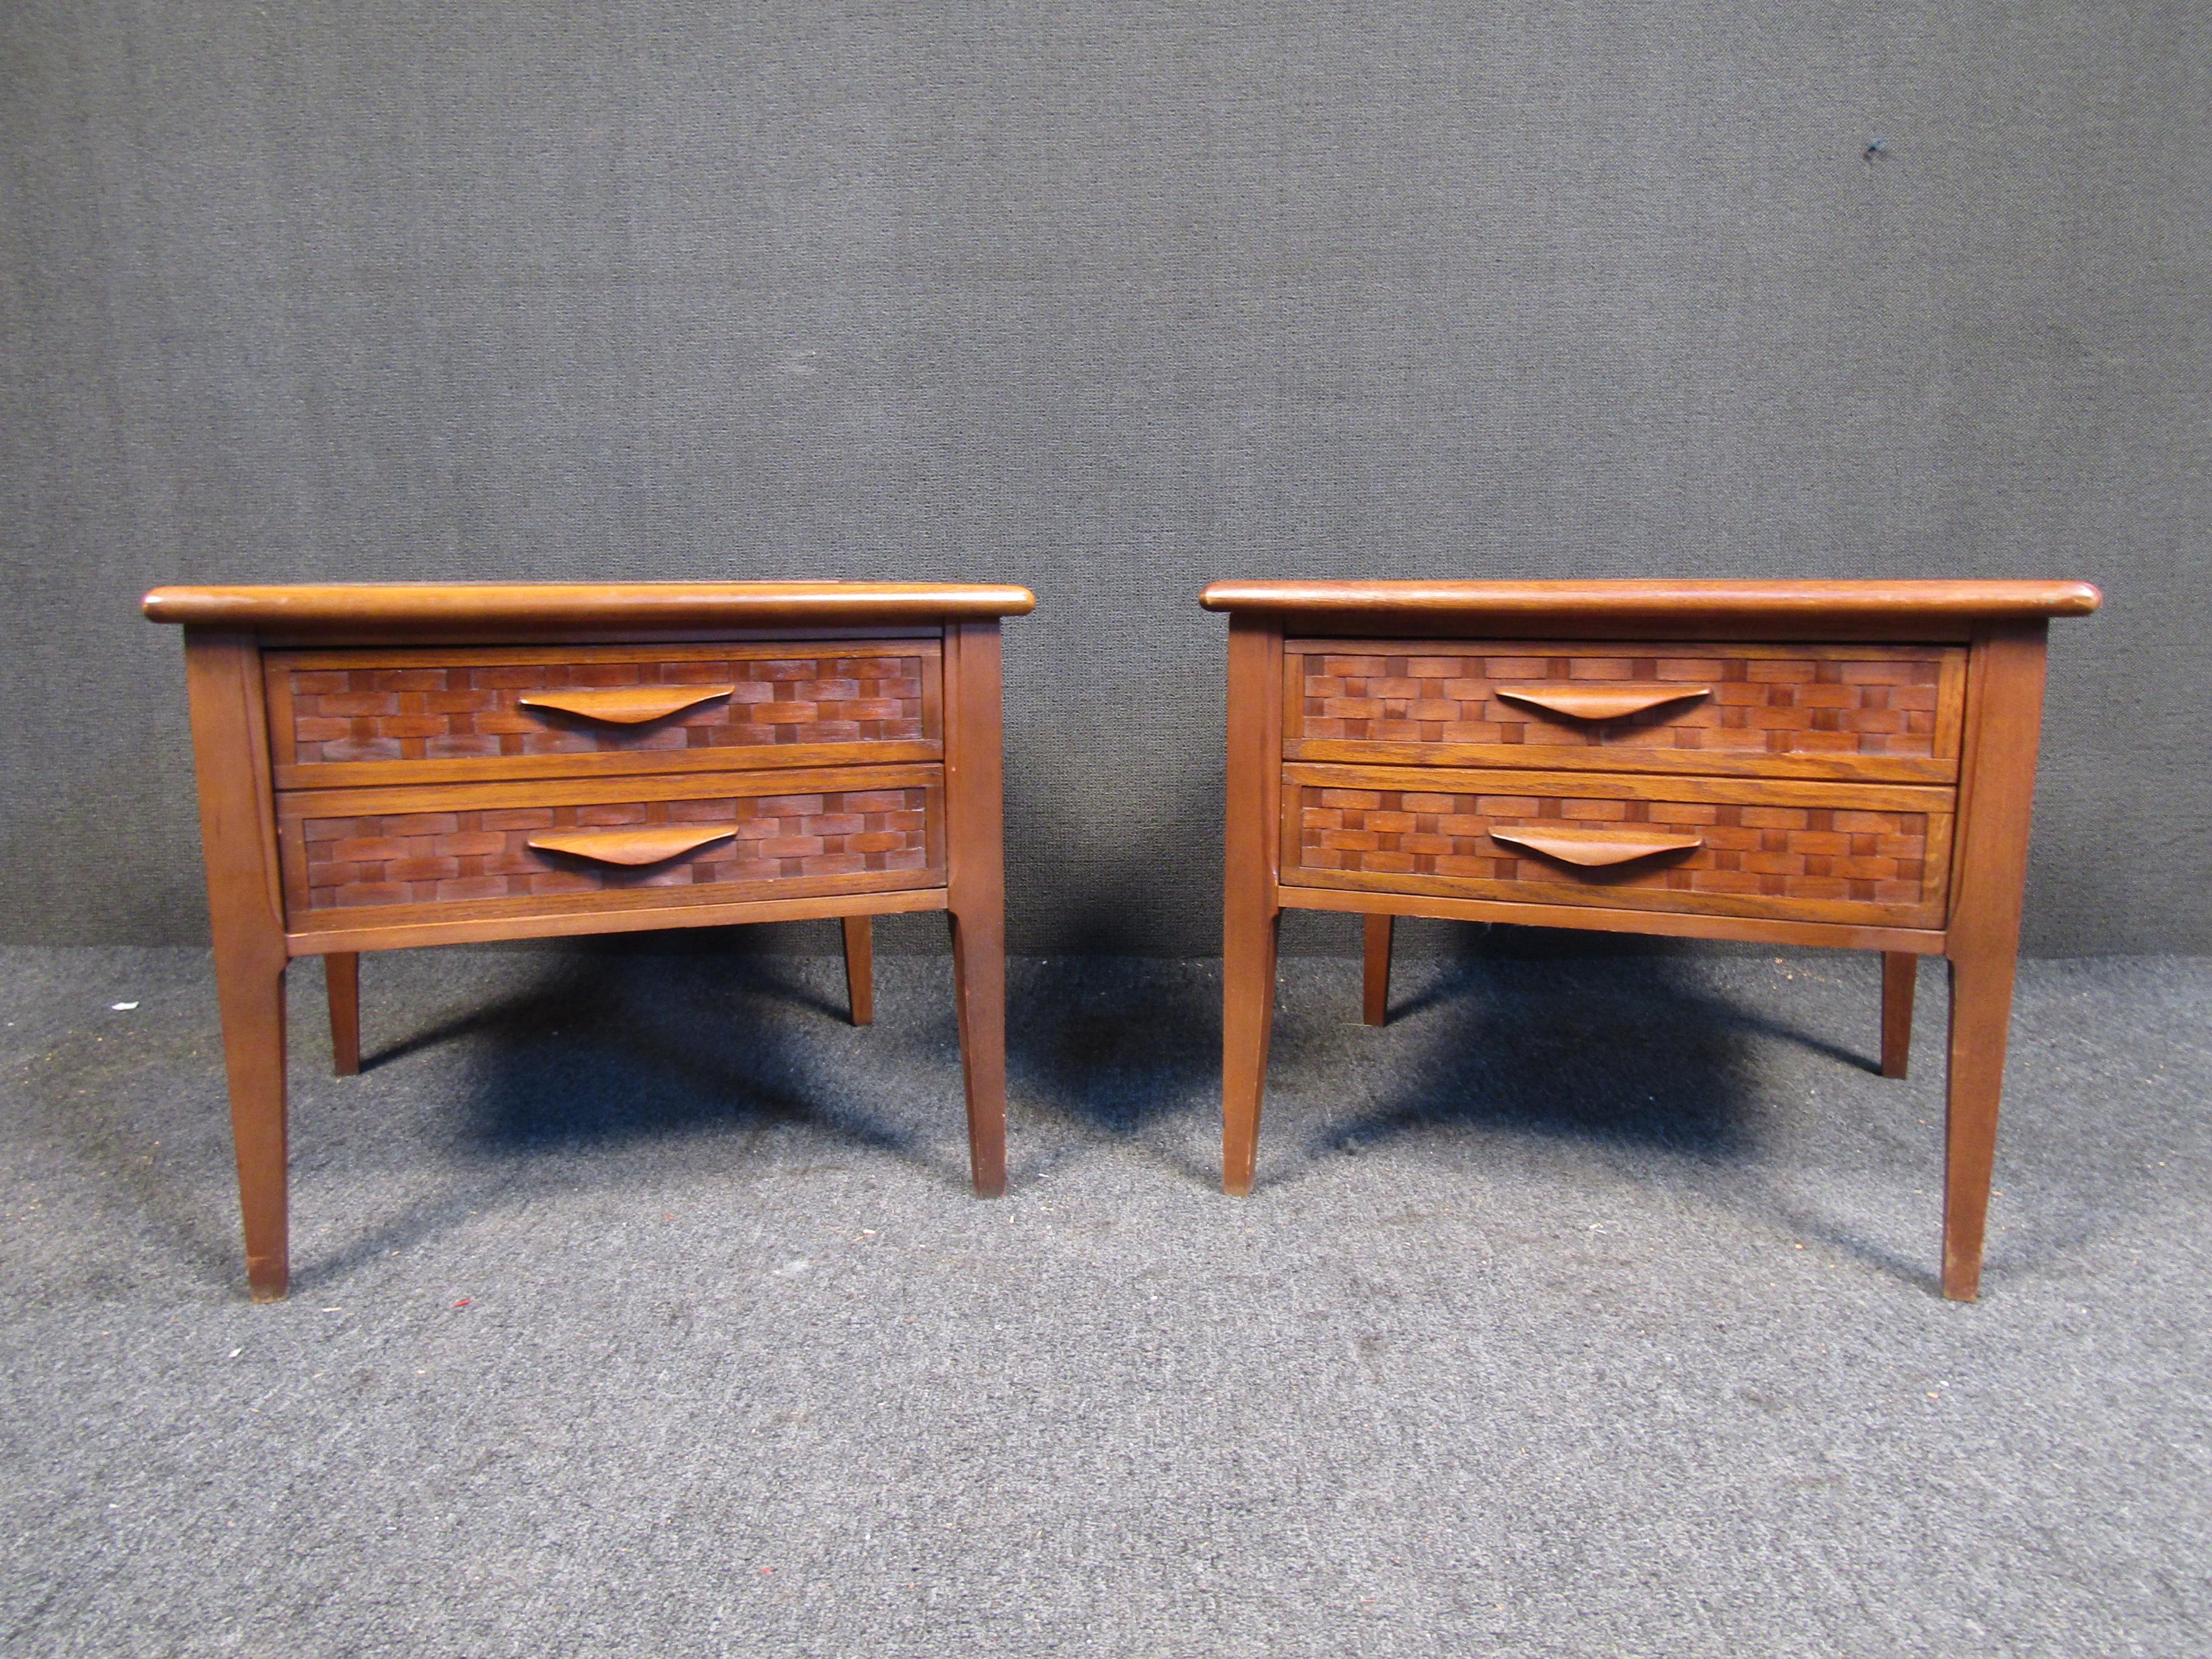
(1845, 764)
(390, 765)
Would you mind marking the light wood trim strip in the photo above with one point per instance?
(402, 927)
(1935, 868)
(675, 900)
(1597, 786)
(603, 763)
(592, 792)
(1400, 645)
(568, 652)
(1812, 628)
(281, 737)
(935, 652)
(1754, 929)
(1567, 895)
(368, 636)
(1295, 670)
(1627, 757)
(1951, 708)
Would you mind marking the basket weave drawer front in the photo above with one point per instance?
(467, 849)
(1841, 861)
(1876, 712)
(363, 716)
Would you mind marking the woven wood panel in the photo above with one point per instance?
(1790, 853)
(458, 712)
(419, 858)
(1795, 702)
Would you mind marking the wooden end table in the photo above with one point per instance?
(1845, 764)
(390, 765)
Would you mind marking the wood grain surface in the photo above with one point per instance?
(245, 912)
(1867, 711)
(1827, 604)
(1251, 913)
(396, 715)
(975, 856)
(390, 766)
(448, 608)
(628, 848)
(1814, 861)
(1847, 764)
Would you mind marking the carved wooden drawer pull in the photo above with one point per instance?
(1611, 701)
(1595, 848)
(626, 705)
(632, 846)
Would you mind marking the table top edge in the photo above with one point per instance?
(1655, 600)
(651, 605)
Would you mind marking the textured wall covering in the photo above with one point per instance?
(1107, 300)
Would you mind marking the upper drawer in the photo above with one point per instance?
(360, 717)
(1847, 711)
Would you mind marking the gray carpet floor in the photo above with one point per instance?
(639, 1308)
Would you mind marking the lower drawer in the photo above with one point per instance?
(351, 857)
(1813, 851)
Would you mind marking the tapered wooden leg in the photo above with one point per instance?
(978, 993)
(975, 882)
(1900, 973)
(2006, 696)
(1377, 981)
(860, 969)
(342, 976)
(1247, 1019)
(1981, 1012)
(238, 835)
(1249, 914)
(250, 987)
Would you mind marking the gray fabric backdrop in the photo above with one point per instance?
(1106, 300)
